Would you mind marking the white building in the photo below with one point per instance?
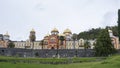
(4, 40)
(115, 40)
(27, 44)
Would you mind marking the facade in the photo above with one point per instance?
(53, 41)
(4, 40)
(77, 44)
(115, 40)
(28, 44)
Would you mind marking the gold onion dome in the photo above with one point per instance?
(6, 34)
(32, 30)
(67, 31)
(55, 30)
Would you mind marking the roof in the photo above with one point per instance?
(55, 30)
(32, 30)
(6, 34)
(67, 31)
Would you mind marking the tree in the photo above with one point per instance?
(103, 45)
(119, 24)
(61, 38)
(42, 43)
(74, 37)
(86, 46)
(11, 45)
(32, 39)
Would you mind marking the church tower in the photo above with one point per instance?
(6, 36)
(68, 34)
(110, 33)
(32, 36)
(54, 32)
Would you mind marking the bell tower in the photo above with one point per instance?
(6, 36)
(32, 36)
(110, 33)
(68, 34)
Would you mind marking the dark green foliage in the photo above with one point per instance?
(87, 45)
(42, 43)
(93, 33)
(74, 37)
(119, 24)
(61, 38)
(11, 45)
(115, 30)
(103, 45)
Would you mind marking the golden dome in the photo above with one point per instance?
(32, 30)
(67, 31)
(55, 30)
(6, 34)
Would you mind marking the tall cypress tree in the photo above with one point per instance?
(103, 45)
(119, 24)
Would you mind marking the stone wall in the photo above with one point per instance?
(47, 53)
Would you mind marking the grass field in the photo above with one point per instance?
(110, 62)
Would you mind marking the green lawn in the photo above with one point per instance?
(110, 62)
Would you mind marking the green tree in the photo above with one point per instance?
(32, 39)
(93, 33)
(74, 37)
(119, 24)
(61, 38)
(42, 43)
(86, 46)
(11, 45)
(103, 45)
(90, 34)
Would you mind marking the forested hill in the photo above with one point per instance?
(93, 33)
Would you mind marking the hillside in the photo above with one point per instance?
(93, 33)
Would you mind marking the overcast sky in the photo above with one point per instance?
(18, 17)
